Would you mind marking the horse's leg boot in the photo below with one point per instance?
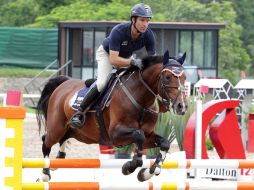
(78, 119)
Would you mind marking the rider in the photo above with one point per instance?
(116, 51)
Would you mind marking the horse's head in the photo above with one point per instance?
(171, 84)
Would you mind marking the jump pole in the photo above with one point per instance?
(198, 127)
(118, 163)
(206, 185)
(11, 122)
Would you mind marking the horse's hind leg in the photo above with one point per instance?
(46, 151)
(135, 136)
(146, 173)
(61, 153)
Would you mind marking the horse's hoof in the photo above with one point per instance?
(157, 171)
(45, 178)
(45, 175)
(61, 155)
(125, 168)
(144, 175)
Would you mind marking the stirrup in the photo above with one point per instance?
(77, 120)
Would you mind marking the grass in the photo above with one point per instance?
(17, 72)
(30, 110)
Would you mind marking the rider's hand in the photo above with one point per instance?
(137, 63)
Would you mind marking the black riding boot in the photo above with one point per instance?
(78, 119)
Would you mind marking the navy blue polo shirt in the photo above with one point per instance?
(120, 40)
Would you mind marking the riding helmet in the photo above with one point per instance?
(141, 10)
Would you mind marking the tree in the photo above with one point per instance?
(18, 12)
(47, 5)
(24, 12)
(232, 56)
(245, 12)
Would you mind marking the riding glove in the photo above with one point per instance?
(137, 63)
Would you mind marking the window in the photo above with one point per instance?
(99, 37)
(199, 46)
(165, 40)
(92, 39)
(185, 43)
(209, 49)
(88, 47)
(198, 50)
(159, 44)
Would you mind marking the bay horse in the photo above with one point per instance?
(129, 118)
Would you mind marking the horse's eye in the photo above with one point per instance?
(167, 77)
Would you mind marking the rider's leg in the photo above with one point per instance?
(78, 119)
(104, 68)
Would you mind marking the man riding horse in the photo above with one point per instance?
(116, 51)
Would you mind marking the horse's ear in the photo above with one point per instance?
(181, 59)
(165, 57)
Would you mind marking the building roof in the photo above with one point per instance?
(160, 25)
(212, 83)
(245, 84)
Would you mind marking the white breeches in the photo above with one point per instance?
(104, 68)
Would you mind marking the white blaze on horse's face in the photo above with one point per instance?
(181, 88)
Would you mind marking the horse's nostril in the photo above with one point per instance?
(180, 106)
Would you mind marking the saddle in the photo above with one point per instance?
(101, 102)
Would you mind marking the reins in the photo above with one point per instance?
(180, 87)
(165, 101)
(135, 103)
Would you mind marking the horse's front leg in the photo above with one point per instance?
(159, 141)
(131, 135)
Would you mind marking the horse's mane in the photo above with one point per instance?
(152, 60)
(157, 59)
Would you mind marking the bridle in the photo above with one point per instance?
(167, 102)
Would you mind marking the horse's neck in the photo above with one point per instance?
(151, 77)
(138, 89)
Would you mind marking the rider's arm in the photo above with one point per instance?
(118, 61)
(115, 40)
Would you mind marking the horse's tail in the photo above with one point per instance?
(42, 106)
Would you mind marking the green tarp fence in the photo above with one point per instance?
(26, 47)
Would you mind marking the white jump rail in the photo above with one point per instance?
(112, 163)
(3, 96)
